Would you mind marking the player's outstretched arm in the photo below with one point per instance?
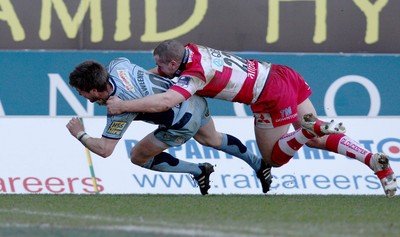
(103, 147)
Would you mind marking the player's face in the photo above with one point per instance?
(94, 96)
(168, 68)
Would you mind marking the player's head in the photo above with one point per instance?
(168, 56)
(90, 79)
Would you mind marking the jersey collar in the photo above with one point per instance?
(182, 67)
(112, 82)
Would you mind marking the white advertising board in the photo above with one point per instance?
(38, 155)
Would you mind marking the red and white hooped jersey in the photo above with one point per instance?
(218, 74)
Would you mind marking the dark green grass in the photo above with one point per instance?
(195, 215)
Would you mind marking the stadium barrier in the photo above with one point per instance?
(38, 155)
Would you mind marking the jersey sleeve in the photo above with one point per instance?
(188, 85)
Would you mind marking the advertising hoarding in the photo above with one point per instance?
(39, 155)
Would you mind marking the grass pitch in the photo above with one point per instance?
(196, 215)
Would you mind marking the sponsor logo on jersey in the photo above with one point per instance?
(263, 120)
(116, 127)
(286, 114)
(183, 81)
(142, 83)
(217, 62)
(251, 69)
(126, 79)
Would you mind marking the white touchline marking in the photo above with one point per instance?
(127, 228)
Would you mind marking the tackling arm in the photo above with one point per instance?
(149, 104)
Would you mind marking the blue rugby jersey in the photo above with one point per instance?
(130, 82)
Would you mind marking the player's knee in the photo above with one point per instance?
(208, 142)
(133, 160)
(210, 139)
(136, 161)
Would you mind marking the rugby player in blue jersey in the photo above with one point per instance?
(176, 125)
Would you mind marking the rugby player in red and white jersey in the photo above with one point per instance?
(278, 97)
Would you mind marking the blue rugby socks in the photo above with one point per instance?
(235, 147)
(165, 162)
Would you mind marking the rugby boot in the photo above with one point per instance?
(320, 128)
(264, 175)
(203, 180)
(380, 165)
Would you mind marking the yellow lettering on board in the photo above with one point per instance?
(371, 12)
(8, 14)
(320, 29)
(71, 25)
(150, 32)
(123, 21)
